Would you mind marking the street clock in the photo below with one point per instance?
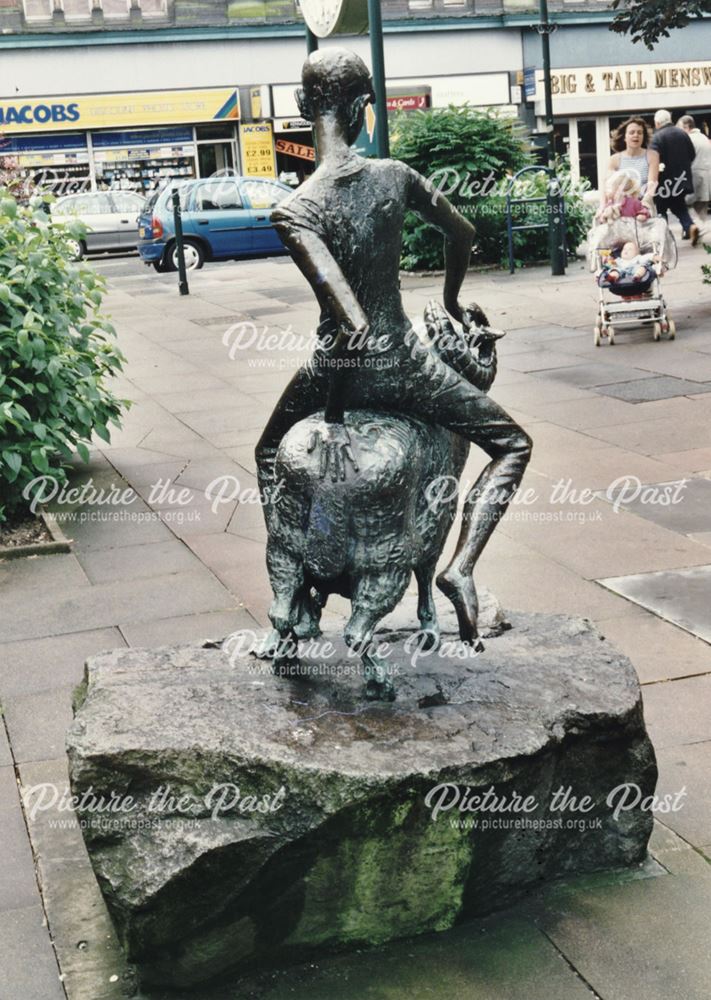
(335, 17)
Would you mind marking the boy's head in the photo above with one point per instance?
(336, 81)
(629, 250)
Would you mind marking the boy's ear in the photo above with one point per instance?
(304, 104)
(358, 106)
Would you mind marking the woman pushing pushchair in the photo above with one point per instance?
(630, 248)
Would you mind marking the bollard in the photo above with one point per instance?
(177, 219)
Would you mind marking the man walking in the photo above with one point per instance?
(701, 168)
(676, 153)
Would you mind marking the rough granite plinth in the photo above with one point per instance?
(332, 841)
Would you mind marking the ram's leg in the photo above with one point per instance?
(286, 575)
(374, 595)
(426, 610)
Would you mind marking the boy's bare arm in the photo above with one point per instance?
(458, 233)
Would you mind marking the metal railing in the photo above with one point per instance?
(555, 212)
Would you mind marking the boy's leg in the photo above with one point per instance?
(304, 395)
(476, 417)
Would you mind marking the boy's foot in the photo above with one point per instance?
(460, 590)
(694, 234)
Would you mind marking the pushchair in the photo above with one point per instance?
(631, 300)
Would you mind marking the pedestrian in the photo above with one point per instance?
(676, 154)
(631, 155)
(700, 168)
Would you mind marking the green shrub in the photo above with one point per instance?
(468, 155)
(706, 268)
(56, 351)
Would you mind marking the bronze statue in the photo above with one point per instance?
(353, 476)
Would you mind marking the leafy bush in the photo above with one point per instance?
(706, 268)
(469, 156)
(55, 351)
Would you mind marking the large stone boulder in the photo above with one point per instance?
(267, 820)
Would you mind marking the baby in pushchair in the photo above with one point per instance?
(629, 255)
(630, 269)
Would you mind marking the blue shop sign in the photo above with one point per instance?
(42, 143)
(142, 137)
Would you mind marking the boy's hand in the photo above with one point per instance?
(335, 450)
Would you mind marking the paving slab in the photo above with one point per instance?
(653, 437)
(83, 935)
(682, 505)
(5, 752)
(541, 361)
(675, 854)
(18, 885)
(596, 541)
(612, 937)
(591, 412)
(677, 711)
(34, 576)
(137, 562)
(188, 628)
(590, 375)
(37, 723)
(688, 767)
(660, 651)
(680, 596)
(661, 387)
(29, 967)
(505, 957)
(55, 662)
(167, 596)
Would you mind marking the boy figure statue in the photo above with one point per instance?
(344, 227)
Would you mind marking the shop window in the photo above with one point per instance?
(152, 8)
(420, 4)
(38, 10)
(75, 10)
(219, 130)
(114, 8)
(219, 196)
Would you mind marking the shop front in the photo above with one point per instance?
(131, 141)
(589, 102)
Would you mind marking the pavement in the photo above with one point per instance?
(613, 523)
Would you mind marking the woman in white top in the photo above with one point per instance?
(631, 154)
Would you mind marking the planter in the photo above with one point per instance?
(58, 543)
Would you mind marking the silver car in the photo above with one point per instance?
(110, 217)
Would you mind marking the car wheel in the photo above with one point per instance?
(194, 256)
(76, 249)
(163, 265)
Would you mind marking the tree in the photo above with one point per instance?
(470, 156)
(649, 20)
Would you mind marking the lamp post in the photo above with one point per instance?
(556, 233)
(375, 22)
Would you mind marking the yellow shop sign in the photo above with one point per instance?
(257, 144)
(94, 111)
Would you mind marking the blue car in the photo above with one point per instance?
(224, 218)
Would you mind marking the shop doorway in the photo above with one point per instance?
(215, 157)
(587, 150)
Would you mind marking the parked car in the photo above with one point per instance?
(110, 217)
(223, 218)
